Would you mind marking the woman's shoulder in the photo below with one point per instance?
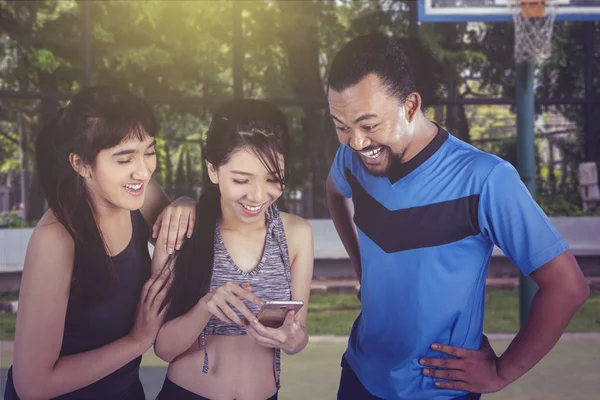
(293, 221)
(50, 251)
(49, 233)
(297, 230)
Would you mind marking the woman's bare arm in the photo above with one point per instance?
(301, 247)
(39, 372)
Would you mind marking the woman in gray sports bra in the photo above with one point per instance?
(243, 252)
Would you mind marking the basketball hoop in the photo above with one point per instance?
(534, 21)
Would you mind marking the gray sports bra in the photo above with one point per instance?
(270, 279)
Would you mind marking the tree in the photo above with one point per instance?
(26, 27)
(560, 76)
(180, 178)
(175, 50)
(300, 40)
(126, 53)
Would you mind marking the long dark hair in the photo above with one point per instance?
(253, 124)
(97, 118)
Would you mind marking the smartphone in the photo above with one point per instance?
(273, 313)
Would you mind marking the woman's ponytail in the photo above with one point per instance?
(194, 263)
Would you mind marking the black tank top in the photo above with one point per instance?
(89, 327)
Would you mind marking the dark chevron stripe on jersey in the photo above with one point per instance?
(417, 227)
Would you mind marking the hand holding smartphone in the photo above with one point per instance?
(273, 313)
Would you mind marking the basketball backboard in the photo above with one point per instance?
(499, 10)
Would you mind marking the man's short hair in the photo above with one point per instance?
(404, 66)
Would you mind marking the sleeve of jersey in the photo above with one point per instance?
(513, 221)
(341, 161)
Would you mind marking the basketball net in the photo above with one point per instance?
(534, 21)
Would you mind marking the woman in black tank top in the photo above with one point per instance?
(88, 308)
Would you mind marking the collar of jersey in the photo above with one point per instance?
(399, 170)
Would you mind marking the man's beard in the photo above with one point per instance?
(393, 160)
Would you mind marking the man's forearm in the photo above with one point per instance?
(341, 213)
(550, 313)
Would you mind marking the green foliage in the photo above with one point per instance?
(185, 49)
(492, 129)
(45, 60)
(563, 205)
(560, 76)
(13, 219)
(9, 149)
(180, 178)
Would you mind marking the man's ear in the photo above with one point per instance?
(212, 173)
(79, 166)
(412, 105)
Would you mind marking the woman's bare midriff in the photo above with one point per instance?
(237, 369)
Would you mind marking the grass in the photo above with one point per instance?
(502, 313)
(328, 301)
(9, 296)
(587, 318)
(567, 372)
(7, 326)
(333, 314)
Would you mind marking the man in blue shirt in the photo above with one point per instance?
(427, 211)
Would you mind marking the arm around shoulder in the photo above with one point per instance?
(154, 202)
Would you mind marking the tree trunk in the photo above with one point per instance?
(190, 176)
(167, 173)
(180, 177)
(456, 117)
(300, 41)
(413, 27)
(48, 108)
(450, 37)
(23, 163)
(462, 124)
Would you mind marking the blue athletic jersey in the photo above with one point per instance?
(426, 234)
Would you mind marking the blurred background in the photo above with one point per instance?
(187, 57)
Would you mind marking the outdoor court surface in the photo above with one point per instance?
(569, 372)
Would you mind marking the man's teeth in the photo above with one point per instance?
(373, 153)
(134, 187)
(250, 208)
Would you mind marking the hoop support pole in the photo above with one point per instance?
(525, 160)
